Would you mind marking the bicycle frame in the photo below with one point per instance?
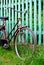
(3, 29)
(6, 37)
(15, 33)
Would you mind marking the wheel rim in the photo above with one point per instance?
(29, 52)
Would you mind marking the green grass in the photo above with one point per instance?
(9, 57)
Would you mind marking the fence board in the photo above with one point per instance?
(1, 9)
(23, 15)
(19, 5)
(19, 14)
(7, 23)
(30, 18)
(39, 20)
(4, 7)
(26, 18)
(35, 16)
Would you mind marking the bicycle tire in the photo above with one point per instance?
(34, 44)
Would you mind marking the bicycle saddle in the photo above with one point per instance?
(4, 18)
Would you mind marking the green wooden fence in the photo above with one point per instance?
(34, 18)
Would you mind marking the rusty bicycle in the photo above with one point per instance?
(21, 39)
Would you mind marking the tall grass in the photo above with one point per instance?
(9, 57)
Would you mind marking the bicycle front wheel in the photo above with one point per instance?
(25, 43)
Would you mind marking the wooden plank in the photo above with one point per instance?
(22, 13)
(1, 11)
(15, 12)
(39, 20)
(12, 14)
(4, 7)
(13, 21)
(23, 17)
(27, 19)
(19, 14)
(35, 16)
(7, 23)
(19, 9)
(9, 18)
(30, 19)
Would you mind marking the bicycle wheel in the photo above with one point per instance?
(25, 43)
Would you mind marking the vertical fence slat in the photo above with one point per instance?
(12, 14)
(7, 15)
(30, 18)
(15, 12)
(19, 13)
(22, 13)
(19, 9)
(23, 16)
(4, 7)
(27, 13)
(9, 18)
(1, 9)
(35, 16)
(12, 17)
(39, 20)
(27, 18)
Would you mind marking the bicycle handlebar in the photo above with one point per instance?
(25, 11)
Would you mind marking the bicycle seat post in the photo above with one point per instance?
(4, 22)
(19, 24)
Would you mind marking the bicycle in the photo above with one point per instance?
(21, 39)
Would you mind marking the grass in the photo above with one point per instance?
(9, 57)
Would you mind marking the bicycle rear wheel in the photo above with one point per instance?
(24, 45)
